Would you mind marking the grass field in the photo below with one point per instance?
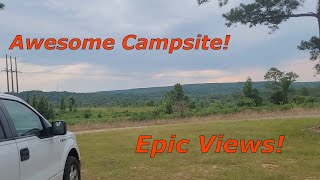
(102, 114)
(111, 154)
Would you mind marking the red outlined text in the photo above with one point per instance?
(212, 144)
(129, 43)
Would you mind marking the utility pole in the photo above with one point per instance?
(7, 71)
(11, 75)
(17, 81)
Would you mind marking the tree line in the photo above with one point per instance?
(278, 94)
(47, 109)
(278, 83)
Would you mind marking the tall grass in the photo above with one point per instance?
(137, 114)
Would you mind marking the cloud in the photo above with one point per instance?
(208, 76)
(252, 51)
(303, 68)
(68, 77)
(84, 77)
(120, 16)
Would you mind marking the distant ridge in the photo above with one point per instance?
(142, 95)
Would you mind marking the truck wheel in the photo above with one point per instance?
(71, 169)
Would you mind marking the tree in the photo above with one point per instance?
(28, 99)
(51, 114)
(43, 106)
(305, 91)
(177, 94)
(256, 97)
(2, 6)
(46, 107)
(176, 101)
(62, 104)
(251, 95)
(272, 13)
(314, 47)
(181, 107)
(247, 88)
(72, 103)
(34, 101)
(167, 105)
(150, 103)
(280, 83)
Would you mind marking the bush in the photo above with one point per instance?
(286, 107)
(299, 99)
(246, 102)
(310, 100)
(303, 100)
(87, 114)
(99, 115)
(140, 116)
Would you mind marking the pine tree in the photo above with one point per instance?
(176, 101)
(247, 88)
(250, 96)
(272, 13)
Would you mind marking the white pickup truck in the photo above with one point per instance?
(33, 149)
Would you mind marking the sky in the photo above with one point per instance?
(252, 51)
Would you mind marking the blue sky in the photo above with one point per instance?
(251, 51)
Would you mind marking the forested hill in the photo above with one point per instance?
(144, 95)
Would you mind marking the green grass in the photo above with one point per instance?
(111, 154)
(87, 115)
(101, 114)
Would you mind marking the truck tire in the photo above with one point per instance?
(72, 169)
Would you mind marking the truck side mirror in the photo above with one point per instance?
(59, 128)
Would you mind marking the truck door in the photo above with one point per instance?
(39, 157)
(9, 157)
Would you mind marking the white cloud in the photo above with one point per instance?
(83, 77)
(303, 67)
(209, 76)
(80, 77)
(112, 16)
(100, 18)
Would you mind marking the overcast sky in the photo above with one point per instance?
(251, 51)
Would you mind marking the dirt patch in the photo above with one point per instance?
(270, 166)
(311, 178)
(315, 129)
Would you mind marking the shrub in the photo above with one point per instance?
(310, 100)
(299, 99)
(246, 102)
(286, 106)
(87, 114)
(99, 115)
